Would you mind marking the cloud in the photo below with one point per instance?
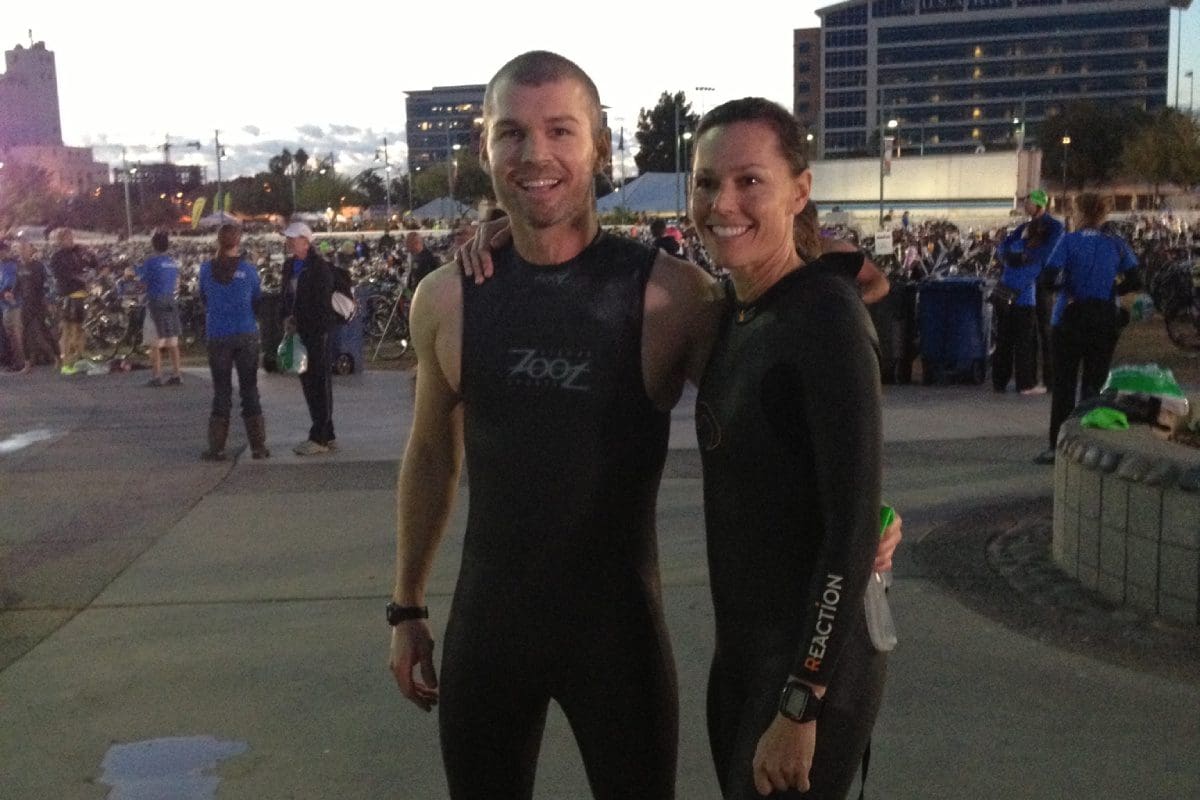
(344, 131)
(253, 130)
(311, 131)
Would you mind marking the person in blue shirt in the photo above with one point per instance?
(1094, 267)
(230, 288)
(1023, 254)
(160, 275)
(10, 308)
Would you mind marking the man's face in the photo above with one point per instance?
(297, 246)
(1031, 208)
(66, 238)
(26, 250)
(541, 152)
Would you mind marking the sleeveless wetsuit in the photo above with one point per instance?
(788, 420)
(558, 596)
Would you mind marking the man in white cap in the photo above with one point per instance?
(307, 294)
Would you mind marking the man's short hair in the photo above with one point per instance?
(537, 68)
(658, 227)
(159, 241)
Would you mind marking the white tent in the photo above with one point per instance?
(445, 208)
(218, 218)
(650, 193)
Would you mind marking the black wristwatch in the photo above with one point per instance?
(398, 613)
(798, 703)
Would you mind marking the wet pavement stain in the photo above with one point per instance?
(176, 768)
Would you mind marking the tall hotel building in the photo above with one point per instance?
(955, 74)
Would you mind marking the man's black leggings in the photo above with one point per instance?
(613, 676)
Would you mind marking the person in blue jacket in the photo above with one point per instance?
(160, 275)
(1094, 267)
(230, 287)
(10, 308)
(1023, 254)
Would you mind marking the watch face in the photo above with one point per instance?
(795, 700)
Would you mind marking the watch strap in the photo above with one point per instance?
(397, 613)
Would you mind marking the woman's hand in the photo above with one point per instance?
(888, 544)
(475, 256)
(784, 756)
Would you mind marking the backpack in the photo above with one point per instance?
(342, 301)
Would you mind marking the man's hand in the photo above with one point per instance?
(412, 646)
(888, 544)
(784, 756)
(475, 257)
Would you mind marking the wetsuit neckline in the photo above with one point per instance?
(746, 311)
(520, 259)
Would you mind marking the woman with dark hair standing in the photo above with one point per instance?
(230, 288)
(789, 423)
(1095, 267)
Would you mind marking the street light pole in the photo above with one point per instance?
(1066, 143)
(387, 183)
(128, 213)
(220, 200)
(387, 180)
(1191, 87)
(891, 123)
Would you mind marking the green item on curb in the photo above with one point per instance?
(1108, 419)
(1148, 379)
(887, 515)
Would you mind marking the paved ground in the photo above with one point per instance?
(222, 624)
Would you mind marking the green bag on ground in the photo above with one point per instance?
(292, 357)
(1149, 380)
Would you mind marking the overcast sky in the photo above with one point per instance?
(331, 78)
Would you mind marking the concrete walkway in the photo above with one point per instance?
(231, 616)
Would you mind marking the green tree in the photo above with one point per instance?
(26, 197)
(1165, 151)
(278, 165)
(370, 182)
(656, 132)
(471, 182)
(1098, 136)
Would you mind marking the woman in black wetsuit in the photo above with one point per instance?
(789, 424)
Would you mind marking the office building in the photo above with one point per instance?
(974, 75)
(440, 118)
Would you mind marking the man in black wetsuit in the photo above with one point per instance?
(559, 374)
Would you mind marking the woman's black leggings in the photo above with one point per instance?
(743, 698)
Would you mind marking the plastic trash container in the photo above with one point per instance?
(954, 330)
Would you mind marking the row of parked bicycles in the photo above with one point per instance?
(114, 313)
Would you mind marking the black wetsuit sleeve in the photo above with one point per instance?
(829, 400)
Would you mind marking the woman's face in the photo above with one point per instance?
(745, 197)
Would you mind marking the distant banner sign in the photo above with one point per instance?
(197, 211)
